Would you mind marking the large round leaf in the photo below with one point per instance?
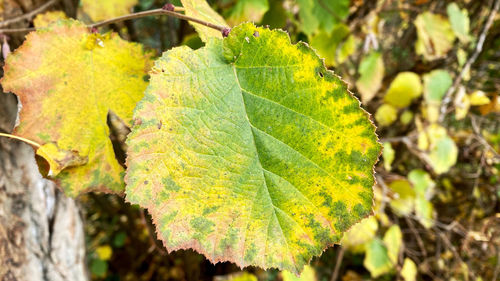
(249, 150)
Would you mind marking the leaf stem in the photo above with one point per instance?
(35, 144)
(154, 12)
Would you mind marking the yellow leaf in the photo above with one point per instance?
(403, 89)
(59, 159)
(42, 20)
(360, 234)
(393, 238)
(67, 90)
(201, 10)
(478, 98)
(403, 201)
(406, 117)
(239, 276)
(386, 115)
(104, 252)
(388, 154)
(435, 36)
(99, 10)
(307, 275)
(462, 103)
(409, 270)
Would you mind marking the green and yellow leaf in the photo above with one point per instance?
(308, 274)
(393, 239)
(321, 16)
(249, 150)
(371, 70)
(386, 115)
(356, 238)
(377, 259)
(327, 43)
(67, 80)
(435, 36)
(248, 10)
(459, 20)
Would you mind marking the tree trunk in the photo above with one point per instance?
(41, 231)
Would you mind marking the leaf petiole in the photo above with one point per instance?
(33, 143)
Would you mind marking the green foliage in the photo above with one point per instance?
(459, 19)
(319, 15)
(376, 259)
(436, 83)
(248, 10)
(328, 43)
(371, 71)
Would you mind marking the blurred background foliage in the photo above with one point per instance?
(420, 68)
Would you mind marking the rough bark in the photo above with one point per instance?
(41, 232)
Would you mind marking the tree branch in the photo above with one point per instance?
(28, 15)
(479, 48)
(137, 15)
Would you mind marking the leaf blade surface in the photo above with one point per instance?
(67, 80)
(239, 153)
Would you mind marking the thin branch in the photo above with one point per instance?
(137, 15)
(336, 271)
(479, 136)
(17, 30)
(28, 15)
(479, 48)
(154, 12)
(497, 267)
(420, 242)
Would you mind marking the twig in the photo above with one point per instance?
(417, 236)
(154, 12)
(478, 136)
(17, 30)
(152, 238)
(28, 15)
(497, 267)
(340, 257)
(479, 48)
